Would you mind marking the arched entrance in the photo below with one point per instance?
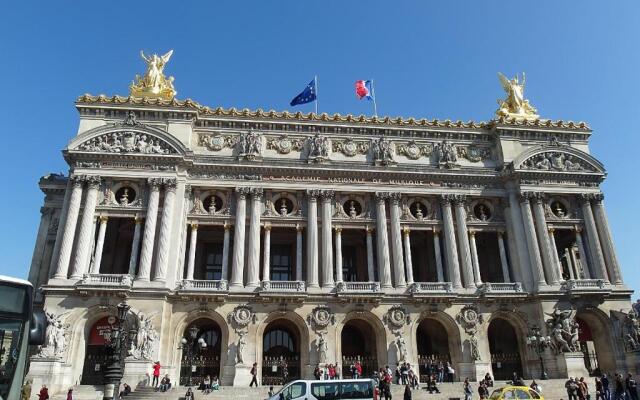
(358, 342)
(280, 353)
(595, 343)
(198, 360)
(505, 353)
(433, 346)
(96, 354)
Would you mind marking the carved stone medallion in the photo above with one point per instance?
(321, 317)
(241, 317)
(396, 318)
(469, 318)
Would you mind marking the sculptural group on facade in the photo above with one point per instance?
(557, 161)
(153, 83)
(515, 105)
(319, 147)
(447, 154)
(382, 151)
(55, 336)
(631, 330)
(563, 330)
(322, 348)
(126, 142)
(250, 144)
(146, 339)
(402, 349)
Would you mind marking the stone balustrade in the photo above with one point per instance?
(283, 286)
(109, 280)
(203, 285)
(431, 287)
(584, 284)
(502, 287)
(358, 287)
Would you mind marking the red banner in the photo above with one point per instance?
(100, 332)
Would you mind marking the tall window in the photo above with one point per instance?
(213, 261)
(281, 262)
(349, 266)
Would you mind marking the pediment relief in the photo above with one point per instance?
(557, 158)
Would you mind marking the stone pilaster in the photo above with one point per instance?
(338, 239)
(312, 238)
(266, 257)
(146, 256)
(463, 241)
(407, 254)
(97, 258)
(193, 243)
(164, 245)
(451, 249)
(237, 269)
(396, 239)
(593, 239)
(543, 239)
(253, 258)
(384, 268)
(70, 223)
(135, 246)
(327, 245)
(604, 231)
(85, 239)
(532, 244)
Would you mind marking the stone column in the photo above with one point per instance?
(396, 240)
(312, 238)
(370, 267)
(451, 250)
(503, 258)
(253, 258)
(298, 253)
(225, 252)
(69, 228)
(532, 244)
(327, 245)
(474, 258)
(604, 231)
(407, 255)
(570, 263)
(595, 250)
(97, 258)
(463, 241)
(135, 246)
(543, 239)
(516, 272)
(583, 256)
(55, 255)
(164, 245)
(237, 268)
(438, 254)
(338, 253)
(266, 254)
(85, 240)
(146, 256)
(193, 243)
(555, 258)
(384, 269)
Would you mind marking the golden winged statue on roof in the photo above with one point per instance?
(153, 83)
(515, 105)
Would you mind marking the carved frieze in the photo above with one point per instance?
(414, 151)
(350, 147)
(249, 145)
(474, 153)
(556, 161)
(127, 142)
(217, 142)
(284, 144)
(319, 147)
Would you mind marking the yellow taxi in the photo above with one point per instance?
(515, 393)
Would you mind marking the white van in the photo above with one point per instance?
(328, 390)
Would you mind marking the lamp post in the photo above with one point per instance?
(113, 371)
(189, 352)
(538, 342)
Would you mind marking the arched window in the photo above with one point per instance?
(278, 340)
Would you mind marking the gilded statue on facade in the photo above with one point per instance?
(515, 105)
(154, 83)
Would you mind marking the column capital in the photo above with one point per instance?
(256, 193)
(459, 199)
(93, 181)
(299, 228)
(138, 219)
(154, 183)
(578, 229)
(598, 197)
(395, 197)
(551, 230)
(526, 197)
(103, 218)
(227, 226)
(369, 229)
(313, 194)
(267, 227)
(406, 230)
(446, 199)
(170, 184)
(436, 231)
(77, 180)
(381, 196)
(586, 198)
(338, 229)
(472, 233)
(242, 192)
(194, 226)
(327, 194)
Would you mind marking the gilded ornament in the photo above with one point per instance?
(515, 105)
(153, 84)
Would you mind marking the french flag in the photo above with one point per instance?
(363, 90)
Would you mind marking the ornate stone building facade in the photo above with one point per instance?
(322, 239)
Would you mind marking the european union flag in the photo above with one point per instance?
(306, 96)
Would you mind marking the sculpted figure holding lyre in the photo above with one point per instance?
(154, 83)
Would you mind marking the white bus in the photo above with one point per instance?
(328, 390)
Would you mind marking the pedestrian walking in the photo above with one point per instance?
(407, 392)
(25, 394)
(620, 389)
(583, 389)
(468, 393)
(632, 387)
(572, 389)
(605, 387)
(254, 374)
(156, 374)
(70, 394)
(44, 393)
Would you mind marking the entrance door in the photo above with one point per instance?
(505, 354)
(202, 361)
(280, 353)
(96, 355)
(358, 344)
(433, 347)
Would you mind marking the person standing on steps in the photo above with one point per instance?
(632, 387)
(468, 393)
(254, 374)
(156, 374)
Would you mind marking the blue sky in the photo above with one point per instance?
(435, 59)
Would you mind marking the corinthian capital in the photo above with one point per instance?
(256, 193)
(170, 184)
(382, 196)
(446, 199)
(93, 181)
(243, 192)
(586, 197)
(526, 197)
(395, 197)
(77, 180)
(459, 199)
(327, 194)
(154, 183)
(598, 197)
(313, 194)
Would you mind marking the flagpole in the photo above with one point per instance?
(315, 78)
(373, 94)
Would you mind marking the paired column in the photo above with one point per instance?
(237, 269)
(583, 256)
(193, 242)
(327, 246)
(338, 254)
(595, 250)
(298, 253)
(451, 254)
(266, 257)
(97, 258)
(135, 246)
(474, 258)
(55, 255)
(146, 256)
(503, 257)
(514, 259)
(164, 245)
(407, 255)
(530, 232)
(69, 227)
(225, 252)
(370, 267)
(604, 231)
(463, 241)
(384, 269)
(85, 239)
(543, 240)
(312, 238)
(438, 254)
(555, 258)
(253, 259)
(396, 238)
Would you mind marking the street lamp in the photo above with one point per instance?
(538, 342)
(190, 350)
(113, 371)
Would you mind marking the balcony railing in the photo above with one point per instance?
(283, 286)
(431, 287)
(502, 287)
(358, 287)
(203, 285)
(583, 284)
(109, 280)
